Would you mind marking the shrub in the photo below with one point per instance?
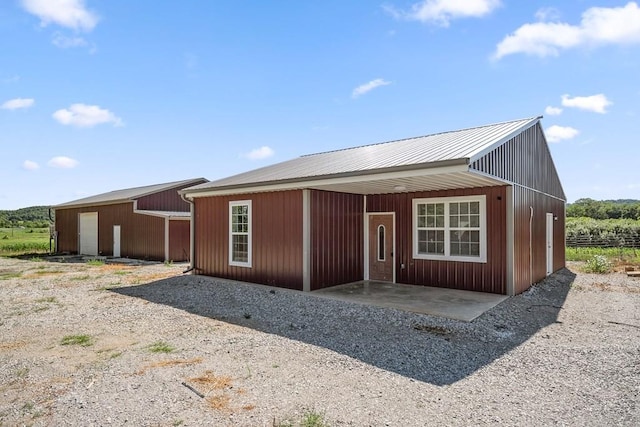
(598, 264)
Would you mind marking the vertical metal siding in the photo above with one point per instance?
(168, 200)
(532, 246)
(526, 160)
(337, 252)
(179, 240)
(276, 224)
(141, 236)
(483, 277)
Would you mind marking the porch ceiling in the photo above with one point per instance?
(444, 181)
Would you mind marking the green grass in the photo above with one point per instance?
(51, 300)
(95, 262)
(81, 340)
(628, 255)
(161, 347)
(10, 275)
(309, 419)
(17, 241)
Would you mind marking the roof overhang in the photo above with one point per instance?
(405, 180)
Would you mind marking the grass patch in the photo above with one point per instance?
(121, 272)
(614, 255)
(95, 262)
(20, 241)
(52, 300)
(161, 347)
(313, 419)
(81, 340)
(309, 419)
(80, 278)
(6, 275)
(22, 372)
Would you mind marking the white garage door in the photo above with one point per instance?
(88, 233)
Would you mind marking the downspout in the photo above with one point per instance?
(531, 246)
(52, 233)
(192, 228)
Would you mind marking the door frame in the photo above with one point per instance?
(367, 217)
(549, 242)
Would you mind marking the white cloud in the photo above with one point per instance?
(596, 103)
(599, 26)
(548, 14)
(557, 133)
(260, 153)
(364, 88)
(62, 162)
(17, 103)
(553, 111)
(30, 165)
(82, 115)
(441, 12)
(65, 42)
(66, 13)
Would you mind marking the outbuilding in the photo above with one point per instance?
(478, 209)
(150, 222)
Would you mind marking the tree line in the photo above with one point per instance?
(604, 209)
(31, 217)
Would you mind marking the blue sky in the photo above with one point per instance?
(98, 95)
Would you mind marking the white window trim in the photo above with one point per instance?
(231, 205)
(447, 246)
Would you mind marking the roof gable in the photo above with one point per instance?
(129, 194)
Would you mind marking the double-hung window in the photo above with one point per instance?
(450, 228)
(240, 233)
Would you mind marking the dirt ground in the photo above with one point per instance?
(145, 345)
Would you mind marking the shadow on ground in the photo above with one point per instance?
(425, 348)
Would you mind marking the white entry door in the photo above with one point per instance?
(549, 243)
(116, 241)
(88, 238)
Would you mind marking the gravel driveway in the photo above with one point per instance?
(147, 346)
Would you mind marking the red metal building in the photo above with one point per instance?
(151, 222)
(478, 209)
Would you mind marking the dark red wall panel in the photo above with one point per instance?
(141, 236)
(484, 277)
(337, 251)
(179, 237)
(276, 238)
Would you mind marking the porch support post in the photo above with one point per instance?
(166, 239)
(510, 242)
(306, 240)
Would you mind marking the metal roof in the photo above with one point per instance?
(128, 194)
(430, 151)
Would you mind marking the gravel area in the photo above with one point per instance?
(567, 352)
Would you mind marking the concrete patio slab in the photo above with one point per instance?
(442, 302)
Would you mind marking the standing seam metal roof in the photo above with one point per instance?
(439, 147)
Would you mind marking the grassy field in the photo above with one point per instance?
(15, 241)
(624, 255)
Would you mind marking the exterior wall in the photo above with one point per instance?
(525, 160)
(141, 236)
(168, 200)
(179, 240)
(484, 277)
(337, 243)
(530, 257)
(276, 223)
